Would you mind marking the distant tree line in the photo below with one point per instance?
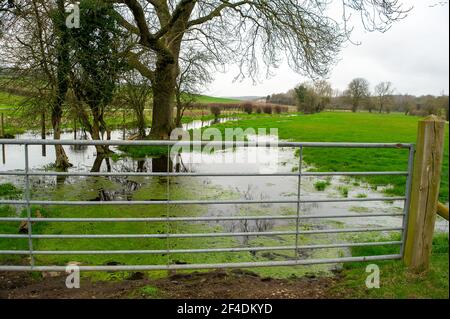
(313, 97)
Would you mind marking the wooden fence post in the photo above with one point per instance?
(43, 136)
(424, 193)
(2, 126)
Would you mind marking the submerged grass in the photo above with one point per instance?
(151, 189)
(9, 191)
(351, 127)
(88, 189)
(321, 185)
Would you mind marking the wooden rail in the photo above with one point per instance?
(442, 210)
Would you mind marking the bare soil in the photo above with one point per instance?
(212, 285)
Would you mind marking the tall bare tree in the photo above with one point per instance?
(36, 49)
(135, 93)
(384, 92)
(193, 78)
(324, 93)
(357, 92)
(244, 31)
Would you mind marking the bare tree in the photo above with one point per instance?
(370, 103)
(193, 78)
(239, 31)
(313, 97)
(37, 51)
(324, 93)
(404, 103)
(384, 92)
(135, 93)
(357, 92)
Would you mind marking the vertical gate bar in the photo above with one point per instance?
(167, 205)
(299, 184)
(27, 200)
(408, 197)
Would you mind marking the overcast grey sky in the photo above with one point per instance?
(413, 55)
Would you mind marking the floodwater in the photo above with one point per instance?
(248, 160)
(82, 158)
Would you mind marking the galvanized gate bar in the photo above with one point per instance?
(200, 235)
(299, 191)
(191, 219)
(184, 251)
(408, 197)
(151, 174)
(296, 262)
(27, 202)
(198, 202)
(204, 143)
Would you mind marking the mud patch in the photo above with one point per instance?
(235, 284)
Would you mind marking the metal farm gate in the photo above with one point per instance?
(27, 202)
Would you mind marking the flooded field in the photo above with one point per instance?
(284, 160)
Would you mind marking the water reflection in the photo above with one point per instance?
(85, 158)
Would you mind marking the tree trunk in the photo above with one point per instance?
(96, 132)
(179, 115)
(63, 67)
(62, 161)
(97, 163)
(140, 114)
(163, 98)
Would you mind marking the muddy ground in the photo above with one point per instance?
(217, 284)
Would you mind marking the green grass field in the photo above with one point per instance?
(210, 99)
(9, 101)
(395, 280)
(350, 127)
(16, 121)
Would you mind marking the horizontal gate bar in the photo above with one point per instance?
(200, 235)
(143, 174)
(192, 219)
(197, 202)
(184, 251)
(194, 144)
(205, 266)
(203, 143)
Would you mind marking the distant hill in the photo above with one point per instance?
(247, 98)
(211, 99)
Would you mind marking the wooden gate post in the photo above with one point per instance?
(2, 133)
(424, 193)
